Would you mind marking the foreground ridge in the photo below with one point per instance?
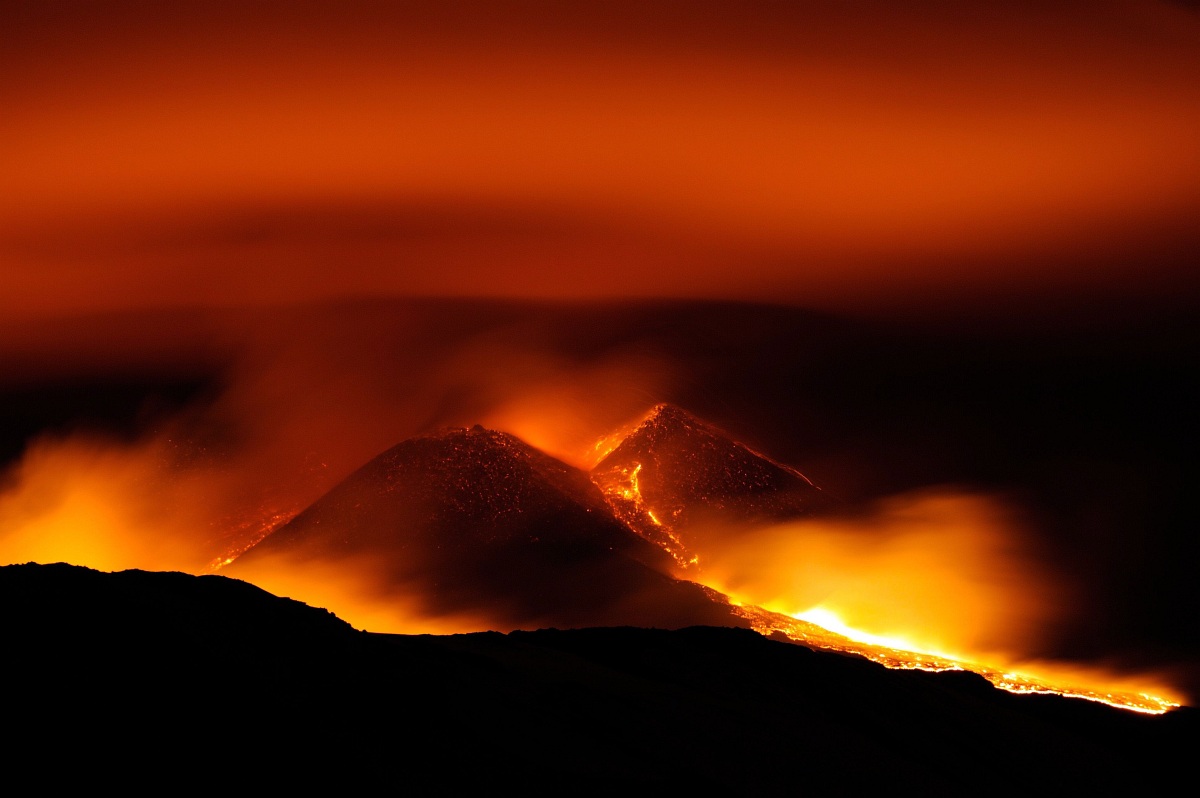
(596, 708)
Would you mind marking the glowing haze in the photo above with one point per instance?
(839, 154)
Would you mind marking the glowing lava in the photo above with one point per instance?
(822, 628)
(947, 564)
(673, 473)
(624, 495)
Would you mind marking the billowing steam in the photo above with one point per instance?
(943, 570)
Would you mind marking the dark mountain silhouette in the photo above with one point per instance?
(476, 521)
(94, 609)
(675, 474)
(132, 677)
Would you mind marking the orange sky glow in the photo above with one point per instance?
(841, 155)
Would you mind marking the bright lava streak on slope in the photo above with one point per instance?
(669, 462)
(823, 629)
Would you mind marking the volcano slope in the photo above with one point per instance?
(473, 522)
(675, 478)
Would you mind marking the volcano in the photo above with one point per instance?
(674, 476)
(472, 528)
(473, 521)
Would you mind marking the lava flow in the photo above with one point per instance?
(716, 507)
(893, 653)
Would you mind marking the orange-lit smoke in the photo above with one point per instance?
(360, 593)
(95, 502)
(307, 397)
(561, 411)
(942, 571)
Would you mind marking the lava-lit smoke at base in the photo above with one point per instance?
(930, 574)
(943, 567)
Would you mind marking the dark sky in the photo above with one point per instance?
(844, 155)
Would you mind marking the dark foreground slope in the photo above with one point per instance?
(143, 679)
